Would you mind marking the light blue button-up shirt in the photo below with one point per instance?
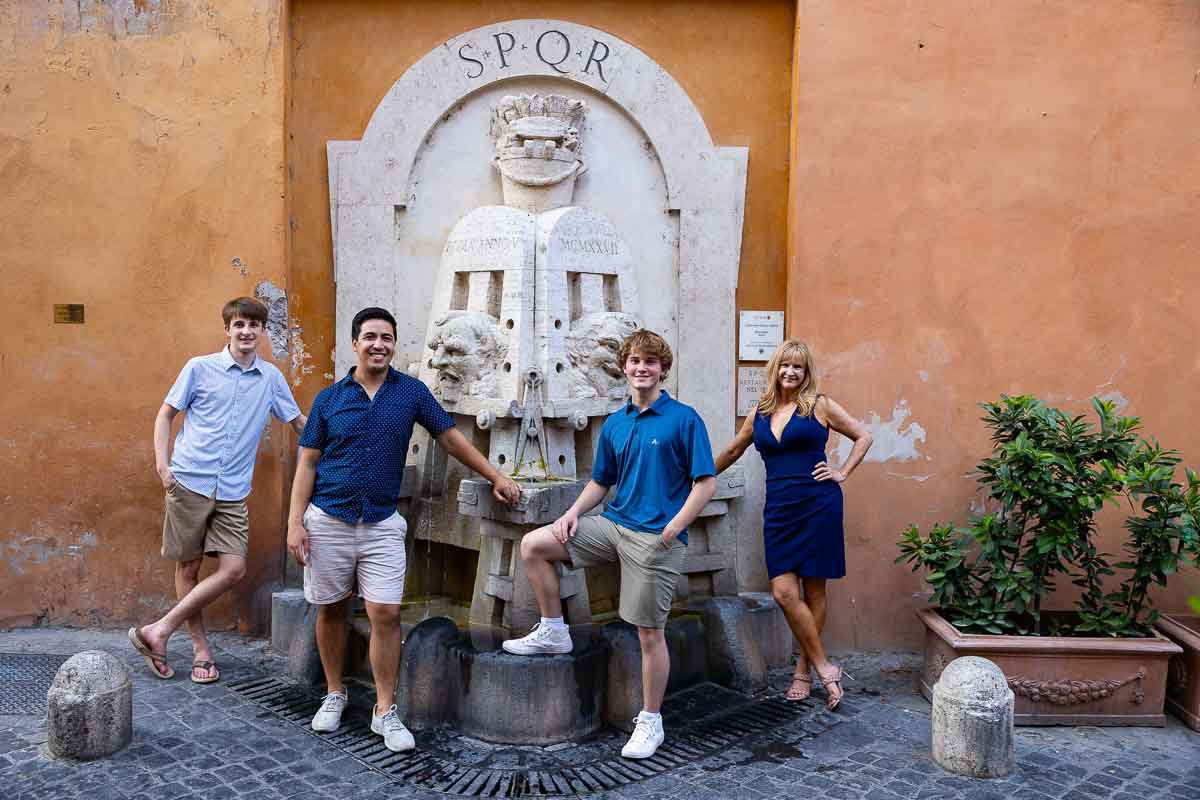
(226, 415)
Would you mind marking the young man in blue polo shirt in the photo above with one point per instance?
(655, 451)
(227, 397)
(343, 526)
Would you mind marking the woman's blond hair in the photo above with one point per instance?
(792, 350)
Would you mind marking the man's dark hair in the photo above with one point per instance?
(371, 313)
(246, 308)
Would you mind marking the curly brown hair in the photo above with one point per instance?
(648, 344)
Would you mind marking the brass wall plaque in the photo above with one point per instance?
(68, 313)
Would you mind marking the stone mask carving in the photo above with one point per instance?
(468, 347)
(593, 348)
(537, 138)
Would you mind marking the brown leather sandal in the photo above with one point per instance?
(205, 665)
(151, 658)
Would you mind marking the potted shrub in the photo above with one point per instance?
(1049, 473)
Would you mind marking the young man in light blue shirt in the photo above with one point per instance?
(227, 397)
(655, 452)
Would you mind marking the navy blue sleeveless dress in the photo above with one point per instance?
(802, 518)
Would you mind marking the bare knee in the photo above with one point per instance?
(535, 546)
(786, 596)
(232, 570)
(384, 615)
(651, 639)
(332, 613)
(189, 570)
(814, 592)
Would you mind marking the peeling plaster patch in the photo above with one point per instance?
(20, 552)
(159, 603)
(917, 478)
(893, 440)
(237, 264)
(329, 376)
(117, 17)
(299, 356)
(275, 299)
(1120, 402)
(924, 376)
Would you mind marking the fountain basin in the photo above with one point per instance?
(542, 501)
(464, 678)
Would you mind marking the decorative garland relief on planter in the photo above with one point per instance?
(1074, 692)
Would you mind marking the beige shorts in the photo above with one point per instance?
(342, 557)
(649, 569)
(195, 526)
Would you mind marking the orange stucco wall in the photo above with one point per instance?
(141, 174)
(988, 198)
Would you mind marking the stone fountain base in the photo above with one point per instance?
(462, 678)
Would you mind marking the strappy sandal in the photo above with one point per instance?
(800, 689)
(150, 657)
(833, 687)
(205, 665)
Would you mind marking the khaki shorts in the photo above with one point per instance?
(342, 556)
(649, 569)
(195, 526)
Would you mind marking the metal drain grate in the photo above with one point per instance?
(26, 677)
(734, 718)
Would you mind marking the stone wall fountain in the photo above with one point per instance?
(522, 215)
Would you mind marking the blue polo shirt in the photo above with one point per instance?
(364, 443)
(227, 409)
(652, 457)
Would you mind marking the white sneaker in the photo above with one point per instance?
(542, 639)
(647, 736)
(329, 715)
(395, 735)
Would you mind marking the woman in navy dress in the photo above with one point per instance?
(802, 518)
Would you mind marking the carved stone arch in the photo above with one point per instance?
(369, 180)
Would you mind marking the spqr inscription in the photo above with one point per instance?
(552, 47)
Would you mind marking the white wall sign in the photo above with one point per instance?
(760, 333)
(751, 382)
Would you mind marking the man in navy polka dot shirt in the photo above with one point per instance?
(343, 527)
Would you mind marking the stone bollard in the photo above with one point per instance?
(973, 719)
(90, 707)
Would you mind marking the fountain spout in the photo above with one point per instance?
(532, 427)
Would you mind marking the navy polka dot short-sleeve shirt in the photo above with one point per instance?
(364, 443)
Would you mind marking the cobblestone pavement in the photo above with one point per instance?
(194, 741)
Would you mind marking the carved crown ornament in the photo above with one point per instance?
(537, 137)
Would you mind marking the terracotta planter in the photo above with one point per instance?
(1183, 674)
(1062, 680)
